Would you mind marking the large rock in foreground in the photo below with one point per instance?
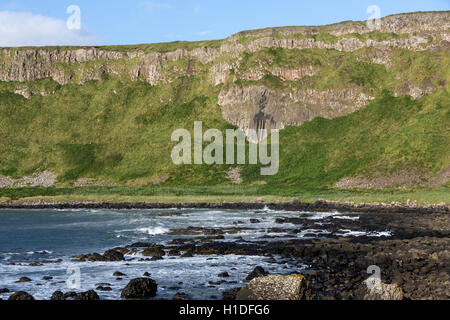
(381, 291)
(292, 287)
(141, 288)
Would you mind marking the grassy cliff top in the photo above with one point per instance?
(345, 27)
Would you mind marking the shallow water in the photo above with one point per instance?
(28, 236)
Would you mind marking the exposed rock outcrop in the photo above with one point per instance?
(33, 64)
(402, 179)
(293, 287)
(43, 179)
(259, 108)
(400, 23)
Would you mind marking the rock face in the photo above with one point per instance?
(43, 179)
(263, 79)
(141, 288)
(293, 287)
(33, 64)
(401, 23)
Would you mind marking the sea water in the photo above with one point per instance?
(27, 236)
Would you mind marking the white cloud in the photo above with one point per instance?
(152, 6)
(28, 29)
(204, 33)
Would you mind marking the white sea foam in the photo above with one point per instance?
(350, 233)
(323, 215)
(153, 231)
(144, 225)
(346, 218)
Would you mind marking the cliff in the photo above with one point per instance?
(272, 78)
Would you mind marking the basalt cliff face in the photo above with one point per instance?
(252, 106)
(262, 79)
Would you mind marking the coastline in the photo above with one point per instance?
(317, 206)
(411, 251)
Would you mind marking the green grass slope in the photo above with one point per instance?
(118, 131)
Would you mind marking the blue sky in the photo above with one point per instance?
(31, 22)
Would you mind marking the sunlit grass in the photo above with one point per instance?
(218, 194)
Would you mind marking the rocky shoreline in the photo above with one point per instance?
(318, 206)
(413, 258)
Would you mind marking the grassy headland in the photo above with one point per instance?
(115, 131)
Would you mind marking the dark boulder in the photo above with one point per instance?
(174, 253)
(187, 255)
(256, 273)
(23, 279)
(104, 288)
(118, 274)
(4, 290)
(103, 284)
(141, 288)
(230, 295)
(21, 296)
(109, 256)
(70, 295)
(155, 251)
(224, 275)
(113, 255)
(90, 295)
(57, 296)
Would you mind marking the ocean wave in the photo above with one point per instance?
(375, 234)
(153, 231)
(346, 218)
